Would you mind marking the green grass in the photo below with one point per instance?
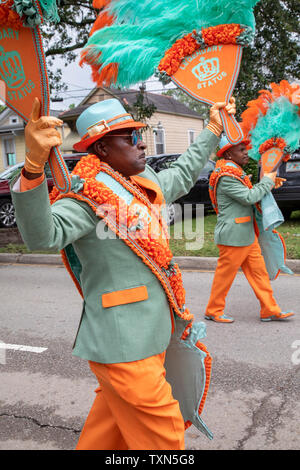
(290, 231)
(181, 237)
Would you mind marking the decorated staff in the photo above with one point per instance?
(24, 75)
(196, 44)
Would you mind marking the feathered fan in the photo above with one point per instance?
(272, 122)
(23, 73)
(195, 43)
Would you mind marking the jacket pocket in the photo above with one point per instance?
(242, 220)
(126, 296)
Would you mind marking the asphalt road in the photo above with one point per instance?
(253, 402)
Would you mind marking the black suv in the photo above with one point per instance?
(198, 194)
(288, 196)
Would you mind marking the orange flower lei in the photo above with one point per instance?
(279, 143)
(9, 17)
(221, 34)
(96, 194)
(180, 49)
(223, 169)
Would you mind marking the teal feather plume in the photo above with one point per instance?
(143, 31)
(282, 120)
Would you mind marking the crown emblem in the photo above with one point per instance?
(206, 69)
(11, 68)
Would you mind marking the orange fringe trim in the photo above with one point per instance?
(208, 367)
(180, 49)
(221, 34)
(9, 17)
(224, 169)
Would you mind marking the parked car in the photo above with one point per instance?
(198, 194)
(288, 196)
(7, 211)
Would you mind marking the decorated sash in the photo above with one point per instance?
(124, 207)
(272, 244)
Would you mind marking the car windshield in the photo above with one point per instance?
(8, 171)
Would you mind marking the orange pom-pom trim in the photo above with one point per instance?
(174, 56)
(9, 17)
(221, 34)
(223, 169)
(270, 143)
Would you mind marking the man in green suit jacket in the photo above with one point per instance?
(236, 233)
(130, 286)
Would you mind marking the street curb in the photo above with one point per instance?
(184, 262)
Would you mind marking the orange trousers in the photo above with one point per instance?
(250, 259)
(134, 409)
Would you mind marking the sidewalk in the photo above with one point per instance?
(184, 262)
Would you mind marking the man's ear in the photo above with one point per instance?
(100, 148)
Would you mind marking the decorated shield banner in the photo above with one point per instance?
(23, 76)
(209, 75)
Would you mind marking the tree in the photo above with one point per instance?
(66, 38)
(274, 56)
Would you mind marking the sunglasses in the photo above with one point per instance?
(135, 136)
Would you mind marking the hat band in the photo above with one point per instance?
(102, 125)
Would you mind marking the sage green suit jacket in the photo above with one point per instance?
(235, 225)
(121, 333)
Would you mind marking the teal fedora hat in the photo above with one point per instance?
(225, 144)
(99, 119)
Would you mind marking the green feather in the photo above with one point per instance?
(143, 31)
(282, 120)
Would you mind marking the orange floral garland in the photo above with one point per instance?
(87, 169)
(223, 169)
(180, 49)
(221, 34)
(9, 17)
(270, 143)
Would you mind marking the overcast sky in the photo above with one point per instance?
(80, 84)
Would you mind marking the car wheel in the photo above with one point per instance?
(7, 214)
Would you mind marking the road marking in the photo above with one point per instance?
(20, 347)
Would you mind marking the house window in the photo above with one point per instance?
(191, 136)
(159, 140)
(13, 120)
(9, 151)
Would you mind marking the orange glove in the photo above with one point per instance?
(279, 182)
(215, 124)
(40, 137)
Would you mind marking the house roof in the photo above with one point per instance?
(163, 103)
